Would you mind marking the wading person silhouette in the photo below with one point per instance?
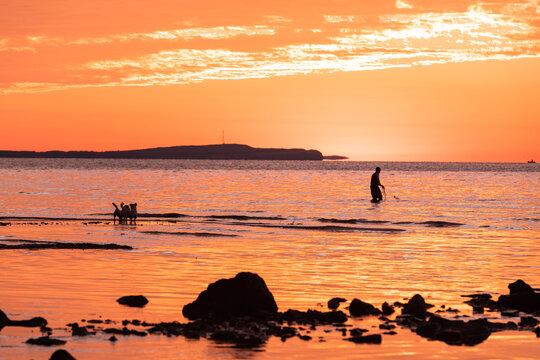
(375, 183)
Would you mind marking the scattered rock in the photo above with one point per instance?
(40, 245)
(484, 296)
(61, 355)
(519, 286)
(45, 341)
(334, 303)
(4, 320)
(387, 326)
(313, 317)
(33, 322)
(125, 331)
(244, 295)
(528, 302)
(367, 339)
(478, 309)
(113, 339)
(455, 332)
(360, 308)
(416, 306)
(76, 330)
(537, 331)
(387, 309)
(528, 321)
(133, 300)
(510, 313)
(357, 332)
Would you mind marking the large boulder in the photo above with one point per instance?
(244, 295)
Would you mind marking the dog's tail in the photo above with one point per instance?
(115, 206)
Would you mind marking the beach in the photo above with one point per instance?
(307, 228)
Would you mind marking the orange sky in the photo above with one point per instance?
(383, 80)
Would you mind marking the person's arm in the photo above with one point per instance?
(379, 180)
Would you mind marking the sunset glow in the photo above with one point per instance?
(52, 52)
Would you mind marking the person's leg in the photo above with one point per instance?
(376, 194)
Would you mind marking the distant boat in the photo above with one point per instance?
(531, 162)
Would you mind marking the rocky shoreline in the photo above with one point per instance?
(242, 312)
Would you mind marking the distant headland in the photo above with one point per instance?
(212, 152)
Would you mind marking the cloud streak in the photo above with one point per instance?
(345, 42)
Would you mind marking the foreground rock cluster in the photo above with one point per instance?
(242, 311)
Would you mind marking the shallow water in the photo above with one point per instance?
(390, 251)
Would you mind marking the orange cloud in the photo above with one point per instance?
(390, 34)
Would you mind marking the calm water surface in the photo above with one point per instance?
(390, 253)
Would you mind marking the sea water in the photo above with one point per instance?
(307, 228)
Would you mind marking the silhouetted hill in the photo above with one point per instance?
(217, 152)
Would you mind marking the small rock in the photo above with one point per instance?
(45, 341)
(511, 325)
(528, 321)
(357, 332)
(360, 308)
(113, 339)
(334, 303)
(4, 320)
(368, 339)
(510, 313)
(520, 286)
(133, 300)
(125, 331)
(61, 355)
(314, 317)
(478, 309)
(387, 309)
(455, 332)
(76, 330)
(522, 297)
(387, 326)
(416, 306)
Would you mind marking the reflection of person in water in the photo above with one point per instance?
(375, 183)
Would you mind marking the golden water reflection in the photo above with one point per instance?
(303, 267)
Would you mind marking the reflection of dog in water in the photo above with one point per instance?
(124, 212)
